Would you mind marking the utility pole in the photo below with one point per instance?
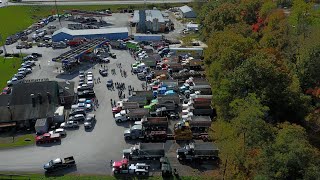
(55, 3)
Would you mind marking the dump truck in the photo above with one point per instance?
(59, 163)
(139, 132)
(154, 123)
(145, 151)
(131, 114)
(139, 99)
(204, 112)
(193, 151)
(203, 89)
(122, 167)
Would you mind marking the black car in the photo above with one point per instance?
(103, 72)
(36, 55)
(19, 46)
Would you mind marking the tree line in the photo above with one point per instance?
(263, 62)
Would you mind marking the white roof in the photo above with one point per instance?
(91, 31)
(150, 16)
(185, 9)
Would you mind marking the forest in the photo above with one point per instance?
(263, 62)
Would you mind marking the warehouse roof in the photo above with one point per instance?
(185, 9)
(91, 31)
(150, 16)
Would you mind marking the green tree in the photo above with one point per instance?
(290, 156)
(240, 140)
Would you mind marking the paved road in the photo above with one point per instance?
(92, 150)
(95, 2)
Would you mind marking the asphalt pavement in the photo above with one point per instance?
(91, 150)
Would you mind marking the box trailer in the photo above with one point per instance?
(42, 126)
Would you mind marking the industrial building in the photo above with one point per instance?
(108, 33)
(150, 20)
(187, 12)
(33, 100)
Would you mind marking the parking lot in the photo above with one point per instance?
(91, 149)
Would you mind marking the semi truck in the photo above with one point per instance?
(198, 151)
(122, 167)
(59, 163)
(145, 151)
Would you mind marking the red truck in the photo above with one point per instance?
(48, 138)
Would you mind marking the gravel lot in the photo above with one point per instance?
(94, 149)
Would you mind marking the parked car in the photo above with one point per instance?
(103, 72)
(77, 118)
(90, 120)
(78, 111)
(36, 54)
(6, 90)
(13, 81)
(60, 131)
(109, 83)
(52, 27)
(70, 124)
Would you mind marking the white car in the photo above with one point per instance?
(69, 124)
(61, 131)
(89, 73)
(90, 78)
(26, 70)
(13, 81)
(90, 83)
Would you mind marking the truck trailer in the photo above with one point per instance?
(198, 151)
(139, 132)
(154, 123)
(145, 151)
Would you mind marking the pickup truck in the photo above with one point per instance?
(59, 163)
(48, 138)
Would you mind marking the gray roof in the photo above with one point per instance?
(150, 16)
(21, 102)
(92, 31)
(185, 9)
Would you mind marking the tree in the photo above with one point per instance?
(240, 140)
(290, 156)
(301, 17)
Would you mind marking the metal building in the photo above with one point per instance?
(149, 20)
(187, 12)
(108, 33)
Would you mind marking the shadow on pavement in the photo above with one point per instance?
(61, 172)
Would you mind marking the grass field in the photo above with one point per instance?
(86, 177)
(18, 142)
(8, 67)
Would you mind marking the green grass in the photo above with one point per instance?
(85, 177)
(19, 141)
(8, 67)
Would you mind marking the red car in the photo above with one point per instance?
(48, 138)
(116, 109)
(6, 90)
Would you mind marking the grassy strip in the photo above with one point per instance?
(8, 67)
(18, 142)
(87, 177)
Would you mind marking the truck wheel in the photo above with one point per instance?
(118, 121)
(138, 173)
(128, 138)
(143, 173)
